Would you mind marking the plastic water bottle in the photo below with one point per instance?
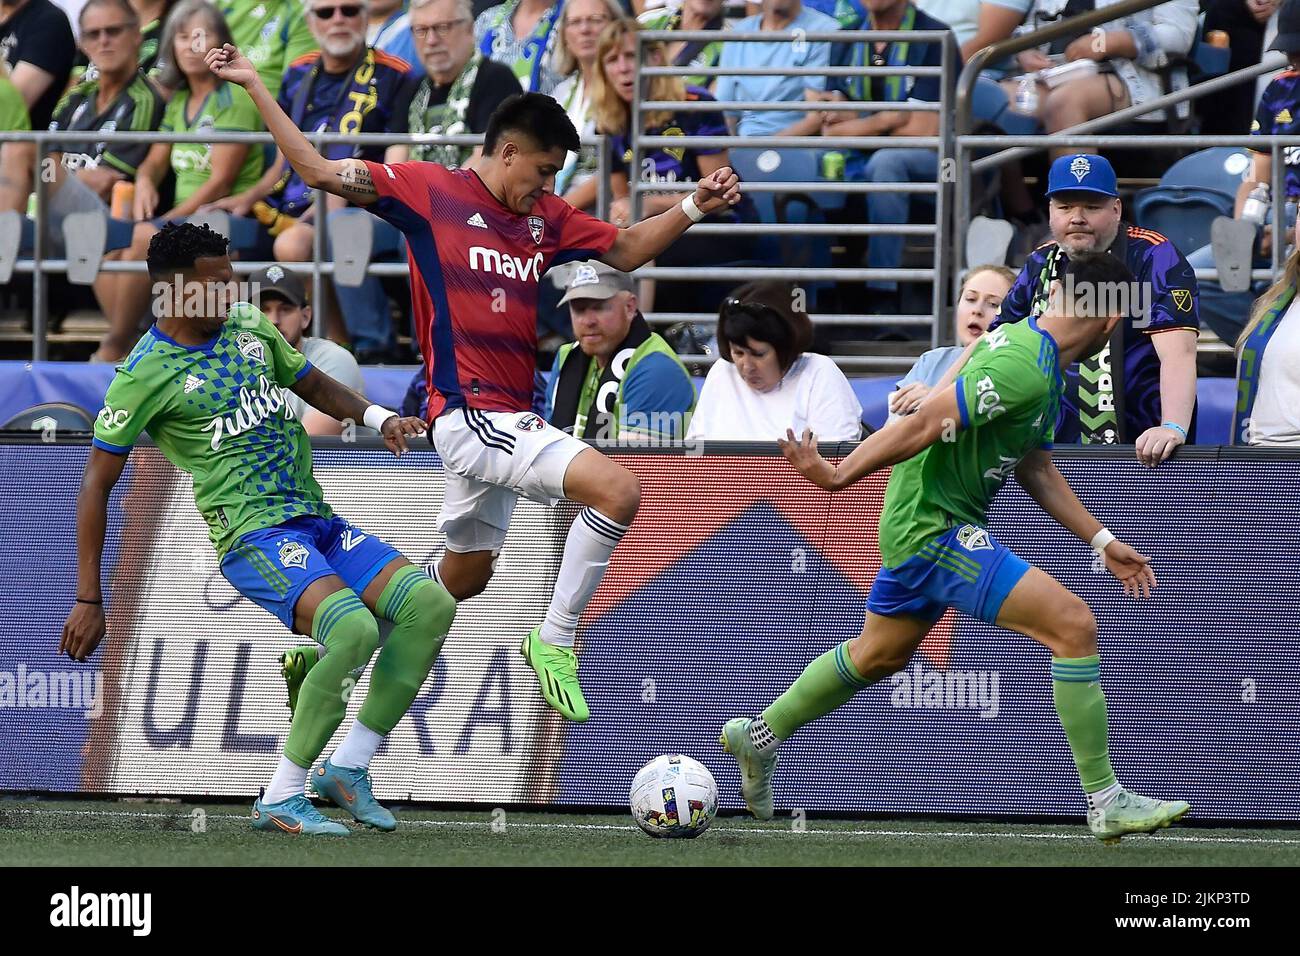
(1257, 204)
(1027, 96)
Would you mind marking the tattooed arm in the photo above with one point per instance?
(349, 178)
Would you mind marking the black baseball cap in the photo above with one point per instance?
(277, 280)
(1288, 28)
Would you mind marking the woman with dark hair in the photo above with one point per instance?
(765, 381)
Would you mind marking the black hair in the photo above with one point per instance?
(535, 115)
(1091, 280)
(764, 312)
(176, 246)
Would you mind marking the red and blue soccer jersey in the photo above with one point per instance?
(476, 270)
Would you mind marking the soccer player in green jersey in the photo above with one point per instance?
(211, 391)
(950, 459)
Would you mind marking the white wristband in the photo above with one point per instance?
(692, 211)
(375, 417)
(1101, 539)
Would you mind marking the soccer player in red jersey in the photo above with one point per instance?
(479, 242)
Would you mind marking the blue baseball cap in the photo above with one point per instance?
(1082, 173)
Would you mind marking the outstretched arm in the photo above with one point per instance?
(937, 419)
(84, 628)
(349, 178)
(639, 244)
(338, 401)
(1043, 481)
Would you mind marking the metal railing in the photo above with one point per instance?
(640, 144)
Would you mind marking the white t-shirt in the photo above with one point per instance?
(1275, 418)
(813, 394)
(332, 359)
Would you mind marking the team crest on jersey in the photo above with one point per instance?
(293, 555)
(535, 224)
(530, 423)
(974, 539)
(1182, 299)
(250, 346)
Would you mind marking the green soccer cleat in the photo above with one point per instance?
(755, 769)
(294, 667)
(557, 671)
(1133, 813)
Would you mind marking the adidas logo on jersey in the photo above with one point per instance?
(476, 221)
(192, 382)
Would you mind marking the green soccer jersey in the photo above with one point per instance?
(1008, 395)
(219, 412)
(271, 33)
(227, 109)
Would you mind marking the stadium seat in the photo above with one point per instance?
(57, 416)
(352, 248)
(85, 235)
(792, 166)
(1192, 193)
(11, 232)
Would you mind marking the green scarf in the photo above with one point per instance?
(446, 118)
(895, 55)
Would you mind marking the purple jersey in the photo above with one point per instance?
(1279, 114)
(1159, 268)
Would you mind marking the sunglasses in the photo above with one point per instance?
(104, 33)
(348, 10)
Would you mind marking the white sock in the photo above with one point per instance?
(591, 541)
(358, 747)
(761, 736)
(1101, 799)
(290, 780)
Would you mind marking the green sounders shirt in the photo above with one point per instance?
(271, 33)
(1008, 395)
(227, 109)
(219, 411)
(13, 108)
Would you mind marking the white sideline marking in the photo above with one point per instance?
(1167, 835)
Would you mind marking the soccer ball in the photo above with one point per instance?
(674, 796)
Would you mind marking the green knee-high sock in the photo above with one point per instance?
(349, 632)
(421, 612)
(1076, 689)
(827, 683)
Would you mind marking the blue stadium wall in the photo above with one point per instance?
(735, 574)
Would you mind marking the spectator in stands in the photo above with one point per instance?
(388, 29)
(344, 87)
(613, 93)
(1278, 114)
(204, 172)
(117, 96)
(522, 34)
(692, 15)
(17, 160)
(1268, 365)
(1129, 58)
(281, 295)
(462, 89)
(581, 24)
(1227, 112)
(271, 33)
(894, 165)
(778, 16)
(619, 380)
(848, 13)
(1149, 396)
(150, 14)
(765, 381)
(37, 43)
(977, 305)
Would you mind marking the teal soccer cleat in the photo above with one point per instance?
(349, 788)
(296, 817)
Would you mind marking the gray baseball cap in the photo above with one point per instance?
(596, 280)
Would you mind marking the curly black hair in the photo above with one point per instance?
(174, 248)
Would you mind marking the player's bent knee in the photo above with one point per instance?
(354, 637)
(1075, 632)
(434, 606)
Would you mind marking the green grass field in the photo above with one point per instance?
(58, 833)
